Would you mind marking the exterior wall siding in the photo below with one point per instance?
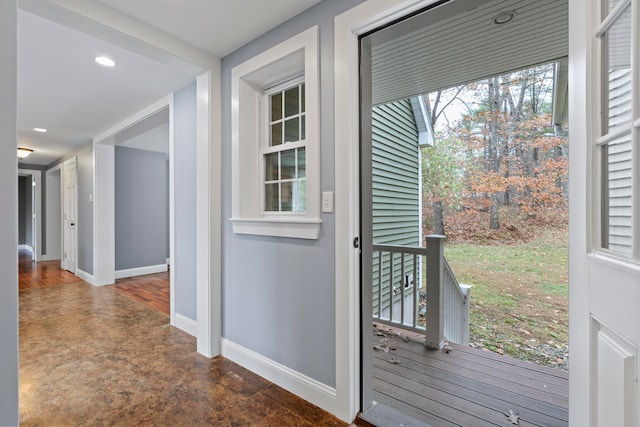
(396, 194)
(620, 164)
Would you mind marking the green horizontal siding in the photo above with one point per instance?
(396, 198)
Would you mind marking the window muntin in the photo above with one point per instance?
(284, 159)
(618, 138)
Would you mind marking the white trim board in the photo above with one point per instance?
(186, 324)
(140, 271)
(299, 384)
(85, 276)
(348, 27)
(25, 248)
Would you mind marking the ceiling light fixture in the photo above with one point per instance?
(41, 130)
(23, 153)
(106, 61)
(504, 17)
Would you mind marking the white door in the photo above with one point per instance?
(53, 203)
(70, 215)
(604, 235)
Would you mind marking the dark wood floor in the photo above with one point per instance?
(151, 290)
(466, 386)
(41, 274)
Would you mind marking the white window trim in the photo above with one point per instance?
(293, 57)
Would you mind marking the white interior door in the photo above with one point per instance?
(53, 202)
(604, 236)
(70, 215)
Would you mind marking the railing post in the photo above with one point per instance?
(435, 294)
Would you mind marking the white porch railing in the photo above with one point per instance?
(399, 301)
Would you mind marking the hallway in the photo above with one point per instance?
(92, 356)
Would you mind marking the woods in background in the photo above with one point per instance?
(496, 147)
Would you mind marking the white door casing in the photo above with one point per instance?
(70, 215)
(604, 289)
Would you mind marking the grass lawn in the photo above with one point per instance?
(519, 299)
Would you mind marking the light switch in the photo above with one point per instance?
(327, 201)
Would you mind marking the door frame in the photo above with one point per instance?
(348, 27)
(349, 348)
(36, 175)
(104, 263)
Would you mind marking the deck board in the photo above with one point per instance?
(467, 386)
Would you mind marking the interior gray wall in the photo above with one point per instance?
(84, 159)
(184, 264)
(9, 410)
(140, 208)
(278, 293)
(22, 208)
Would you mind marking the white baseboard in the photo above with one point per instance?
(141, 271)
(25, 248)
(189, 326)
(84, 276)
(299, 384)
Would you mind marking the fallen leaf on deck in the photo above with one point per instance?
(513, 417)
(405, 339)
(394, 361)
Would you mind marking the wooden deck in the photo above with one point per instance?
(466, 386)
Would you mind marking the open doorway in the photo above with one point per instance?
(142, 237)
(441, 379)
(29, 214)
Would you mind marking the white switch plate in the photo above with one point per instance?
(327, 201)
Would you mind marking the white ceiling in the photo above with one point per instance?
(62, 89)
(215, 26)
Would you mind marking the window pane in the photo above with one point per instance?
(617, 195)
(302, 100)
(276, 107)
(291, 102)
(303, 131)
(271, 197)
(276, 134)
(302, 195)
(288, 164)
(302, 165)
(292, 130)
(287, 197)
(617, 45)
(271, 167)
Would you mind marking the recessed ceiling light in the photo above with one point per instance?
(106, 61)
(504, 17)
(41, 130)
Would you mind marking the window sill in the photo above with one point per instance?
(278, 227)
